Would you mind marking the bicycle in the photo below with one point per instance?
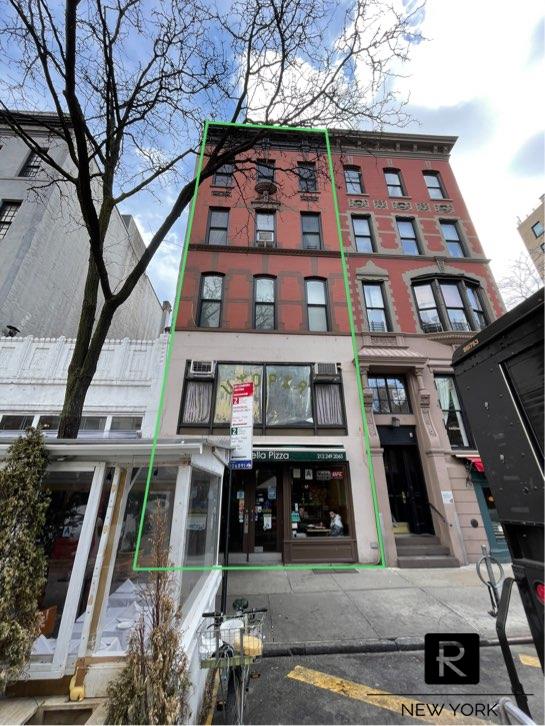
(231, 644)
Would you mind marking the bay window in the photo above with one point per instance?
(449, 304)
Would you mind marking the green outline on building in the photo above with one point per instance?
(181, 274)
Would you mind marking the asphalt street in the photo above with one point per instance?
(382, 688)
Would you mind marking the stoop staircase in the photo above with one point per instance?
(423, 550)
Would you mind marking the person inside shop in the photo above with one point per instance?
(336, 527)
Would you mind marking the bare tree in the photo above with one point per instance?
(521, 282)
(130, 83)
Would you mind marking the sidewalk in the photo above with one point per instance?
(370, 610)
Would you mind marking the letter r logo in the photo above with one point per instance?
(451, 658)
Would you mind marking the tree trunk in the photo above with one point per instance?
(86, 353)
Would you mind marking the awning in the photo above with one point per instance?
(474, 460)
(298, 453)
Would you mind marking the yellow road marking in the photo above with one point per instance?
(361, 692)
(529, 660)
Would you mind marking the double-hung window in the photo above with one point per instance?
(224, 176)
(265, 170)
(427, 308)
(452, 239)
(32, 165)
(211, 298)
(353, 180)
(537, 229)
(452, 411)
(311, 231)
(456, 311)
(435, 187)
(407, 236)
(316, 305)
(265, 228)
(264, 303)
(218, 224)
(394, 183)
(306, 171)
(375, 307)
(389, 394)
(8, 210)
(363, 237)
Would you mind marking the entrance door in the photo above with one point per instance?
(255, 507)
(407, 489)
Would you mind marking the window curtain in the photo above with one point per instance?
(444, 386)
(197, 402)
(328, 404)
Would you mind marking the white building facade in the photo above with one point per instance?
(44, 248)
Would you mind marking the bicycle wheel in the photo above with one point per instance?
(240, 685)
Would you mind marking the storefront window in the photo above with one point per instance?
(319, 506)
(127, 589)
(288, 396)
(201, 542)
(228, 376)
(64, 522)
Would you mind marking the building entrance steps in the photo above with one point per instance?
(418, 551)
(370, 610)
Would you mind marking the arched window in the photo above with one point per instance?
(210, 300)
(316, 294)
(264, 302)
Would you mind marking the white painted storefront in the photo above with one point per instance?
(93, 597)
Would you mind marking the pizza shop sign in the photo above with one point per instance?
(286, 455)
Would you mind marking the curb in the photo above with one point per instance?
(381, 645)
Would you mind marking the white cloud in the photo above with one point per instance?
(478, 53)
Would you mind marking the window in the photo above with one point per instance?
(454, 305)
(126, 423)
(8, 210)
(435, 187)
(311, 230)
(449, 305)
(476, 307)
(452, 239)
(389, 394)
(452, 411)
(264, 302)
(224, 176)
(32, 165)
(352, 179)
(264, 226)
(407, 236)
(306, 171)
(218, 223)
(49, 425)
(361, 226)
(427, 309)
(394, 183)
(227, 376)
(316, 305)
(287, 395)
(537, 229)
(289, 401)
(93, 423)
(211, 295)
(375, 307)
(265, 170)
(316, 491)
(9, 422)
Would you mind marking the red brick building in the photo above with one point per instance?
(264, 300)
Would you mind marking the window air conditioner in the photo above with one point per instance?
(326, 371)
(264, 238)
(202, 368)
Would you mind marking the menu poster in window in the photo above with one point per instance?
(242, 423)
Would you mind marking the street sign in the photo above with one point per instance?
(242, 426)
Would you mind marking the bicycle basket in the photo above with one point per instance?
(237, 640)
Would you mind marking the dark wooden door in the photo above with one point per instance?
(407, 488)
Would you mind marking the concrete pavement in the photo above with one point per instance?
(360, 610)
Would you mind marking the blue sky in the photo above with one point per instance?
(479, 76)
